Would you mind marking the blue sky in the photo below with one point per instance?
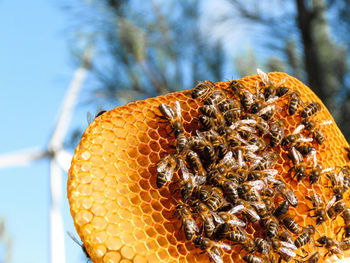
(35, 71)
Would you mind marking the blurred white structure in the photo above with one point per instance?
(59, 158)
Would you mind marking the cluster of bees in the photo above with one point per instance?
(228, 181)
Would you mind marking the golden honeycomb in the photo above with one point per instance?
(121, 215)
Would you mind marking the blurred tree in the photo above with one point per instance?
(147, 48)
(304, 28)
(5, 243)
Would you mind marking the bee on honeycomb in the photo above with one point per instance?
(122, 215)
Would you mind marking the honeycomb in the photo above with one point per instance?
(121, 215)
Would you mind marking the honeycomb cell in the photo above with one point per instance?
(121, 215)
(112, 257)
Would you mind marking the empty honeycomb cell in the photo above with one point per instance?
(157, 217)
(139, 259)
(100, 251)
(121, 149)
(112, 257)
(84, 202)
(151, 244)
(99, 222)
(98, 237)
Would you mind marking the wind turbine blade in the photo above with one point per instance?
(23, 157)
(57, 248)
(64, 159)
(69, 102)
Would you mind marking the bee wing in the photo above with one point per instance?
(252, 148)
(178, 109)
(215, 257)
(89, 118)
(263, 76)
(331, 202)
(228, 156)
(185, 173)
(297, 156)
(257, 184)
(192, 224)
(236, 222)
(270, 172)
(287, 251)
(266, 109)
(281, 82)
(223, 245)
(198, 180)
(217, 218)
(305, 139)
(316, 200)
(236, 209)
(299, 128)
(71, 235)
(272, 99)
(292, 198)
(326, 170)
(210, 222)
(253, 213)
(162, 166)
(289, 245)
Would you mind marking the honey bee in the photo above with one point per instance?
(195, 163)
(247, 99)
(241, 238)
(173, 117)
(247, 210)
(345, 174)
(257, 122)
(250, 258)
(333, 246)
(281, 209)
(316, 132)
(216, 98)
(209, 110)
(285, 249)
(299, 165)
(271, 225)
(207, 122)
(211, 247)
(215, 199)
(259, 105)
(231, 219)
(236, 87)
(346, 217)
(313, 258)
(81, 244)
(287, 194)
(232, 115)
(165, 169)
(189, 181)
(270, 87)
(337, 208)
(305, 150)
(267, 161)
(249, 190)
(228, 104)
(207, 217)
(316, 172)
(229, 187)
(277, 132)
(320, 208)
(305, 236)
(291, 225)
(337, 181)
(187, 222)
(294, 102)
(267, 112)
(262, 245)
(182, 142)
(294, 139)
(310, 110)
(258, 142)
(203, 89)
